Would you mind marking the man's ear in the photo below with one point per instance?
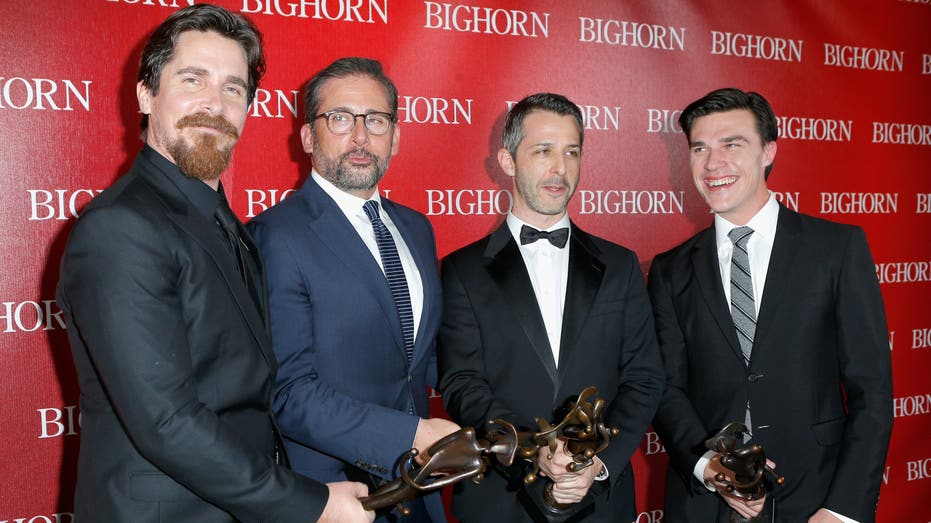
(506, 162)
(144, 96)
(395, 140)
(307, 138)
(769, 154)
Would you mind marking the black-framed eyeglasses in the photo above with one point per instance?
(343, 122)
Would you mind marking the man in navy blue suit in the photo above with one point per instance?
(354, 294)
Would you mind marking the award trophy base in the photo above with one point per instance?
(540, 499)
(768, 515)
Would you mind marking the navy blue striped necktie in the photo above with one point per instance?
(394, 272)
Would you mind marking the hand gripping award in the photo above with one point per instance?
(748, 464)
(461, 456)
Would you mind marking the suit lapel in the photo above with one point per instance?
(708, 275)
(506, 268)
(202, 232)
(582, 283)
(331, 229)
(778, 274)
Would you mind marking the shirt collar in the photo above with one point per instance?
(350, 204)
(762, 223)
(201, 195)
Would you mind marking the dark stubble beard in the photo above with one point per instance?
(344, 176)
(529, 191)
(203, 159)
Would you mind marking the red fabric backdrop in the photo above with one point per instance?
(849, 79)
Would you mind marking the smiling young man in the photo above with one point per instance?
(163, 295)
(773, 319)
(354, 294)
(536, 312)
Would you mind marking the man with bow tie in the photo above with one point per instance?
(539, 310)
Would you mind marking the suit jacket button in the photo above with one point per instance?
(753, 377)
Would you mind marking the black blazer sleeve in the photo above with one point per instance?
(467, 393)
(677, 422)
(866, 375)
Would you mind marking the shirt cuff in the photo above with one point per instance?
(845, 519)
(699, 470)
(603, 474)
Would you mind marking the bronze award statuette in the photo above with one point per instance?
(585, 434)
(451, 459)
(748, 464)
(461, 455)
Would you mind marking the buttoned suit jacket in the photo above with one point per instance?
(821, 334)
(347, 401)
(175, 367)
(495, 359)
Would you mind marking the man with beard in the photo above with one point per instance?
(354, 294)
(536, 312)
(163, 295)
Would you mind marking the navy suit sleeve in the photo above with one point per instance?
(308, 409)
(865, 365)
(120, 286)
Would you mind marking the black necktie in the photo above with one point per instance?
(558, 238)
(231, 225)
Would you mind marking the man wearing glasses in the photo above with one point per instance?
(354, 294)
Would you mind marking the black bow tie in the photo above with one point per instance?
(558, 238)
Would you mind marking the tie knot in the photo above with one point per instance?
(371, 210)
(225, 216)
(557, 238)
(740, 235)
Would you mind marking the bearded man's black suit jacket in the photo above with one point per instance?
(175, 365)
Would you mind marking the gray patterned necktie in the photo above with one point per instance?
(743, 310)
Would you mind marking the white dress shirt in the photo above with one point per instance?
(548, 268)
(351, 206)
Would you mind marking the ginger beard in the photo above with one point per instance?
(206, 158)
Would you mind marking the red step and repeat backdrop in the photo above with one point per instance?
(850, 81)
